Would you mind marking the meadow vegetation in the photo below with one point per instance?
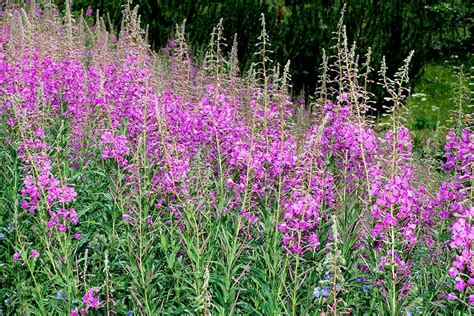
(142, 182)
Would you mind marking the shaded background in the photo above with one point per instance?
(299, 30)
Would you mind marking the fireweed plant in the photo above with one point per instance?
(141, 182)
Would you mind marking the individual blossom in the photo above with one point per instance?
(325, 291)
(16, 256)
(317, 292)
(453, 272)
(460, 284)
(60, 296)
(451, 297)
(39, 133)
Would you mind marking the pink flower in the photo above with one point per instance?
(74, 312)
(89, 11)
(77, 236)
(453, 272)
(35, 253)
(89, 300)
(471, 299)
(39, 133)
(451, 297)
(460, 284)
(313, 241)
(16, 256)
(283, 227)
(126, 218)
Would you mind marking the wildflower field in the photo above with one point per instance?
(142, 182)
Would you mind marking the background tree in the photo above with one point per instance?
(300, 29)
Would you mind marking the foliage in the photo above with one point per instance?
(441, 100)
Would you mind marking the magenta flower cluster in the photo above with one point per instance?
(42, 188)
(454, 200)
(90, 301)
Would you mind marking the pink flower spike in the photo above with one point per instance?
(89, 11)
(35, 253)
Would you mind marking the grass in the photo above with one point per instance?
(434, 100)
